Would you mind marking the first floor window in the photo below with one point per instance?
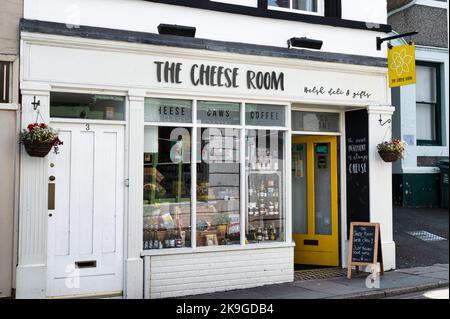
(427, 104)
(303, 5)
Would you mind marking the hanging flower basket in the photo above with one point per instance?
(38, 139)
(392, 151)
(389, 156)
(37, 150)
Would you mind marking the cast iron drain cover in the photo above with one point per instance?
(424, 235)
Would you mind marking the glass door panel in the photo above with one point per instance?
(322, 189)
(300, 189)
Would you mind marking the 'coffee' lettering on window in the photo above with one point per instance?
(255, 115)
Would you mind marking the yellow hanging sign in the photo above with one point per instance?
(402, 65)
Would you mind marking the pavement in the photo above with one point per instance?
(392, 283)
(421, 266)
(413, 252)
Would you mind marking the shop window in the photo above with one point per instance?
(308, 6)
(5, 81)
(168, 110)
(264, 115)
(264, 177)
(167, 187)
(218, 186)
(87, 106)
(315, 122)
(428, 115)
(218, 177)
(218, 113)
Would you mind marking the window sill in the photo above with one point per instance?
(9, 106)
(209, 249)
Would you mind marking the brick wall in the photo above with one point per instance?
(191, 274)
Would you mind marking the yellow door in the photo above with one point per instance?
(315, 200)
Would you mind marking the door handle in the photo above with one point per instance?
(51, 196)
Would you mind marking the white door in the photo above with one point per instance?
(85, 216)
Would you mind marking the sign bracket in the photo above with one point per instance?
(381, 40)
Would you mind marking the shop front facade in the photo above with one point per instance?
(187, 169)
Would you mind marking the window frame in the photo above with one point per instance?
(242, 127)
(5, 82)
(438, 107)
(320, 9)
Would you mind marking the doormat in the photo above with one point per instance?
(425, 236)
(324, 273)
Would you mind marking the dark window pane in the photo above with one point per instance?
(305, 5)
(87, 106)
(5, 69)
(279, 3)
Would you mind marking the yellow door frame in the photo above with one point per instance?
(312, 249)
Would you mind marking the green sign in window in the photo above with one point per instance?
(322, 148)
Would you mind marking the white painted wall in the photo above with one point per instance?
(137, 15)
(192, 274)
(372, 11)
(380, 177)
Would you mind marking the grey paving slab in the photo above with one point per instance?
(421, 270)
(282, 290)
(332, 288)
(437, 275)
(305, 295)
(442, 266)
(235, 294)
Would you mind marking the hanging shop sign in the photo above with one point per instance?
(401, 65)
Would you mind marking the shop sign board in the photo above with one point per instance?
(196, 75)
(401, 65)
(364, 246)
(357, 170)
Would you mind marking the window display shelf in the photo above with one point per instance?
(264, 206)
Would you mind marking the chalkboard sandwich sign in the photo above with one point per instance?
(364, 247)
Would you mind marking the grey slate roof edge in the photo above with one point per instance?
(90, 32)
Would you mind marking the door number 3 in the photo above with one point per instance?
(87, 127)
